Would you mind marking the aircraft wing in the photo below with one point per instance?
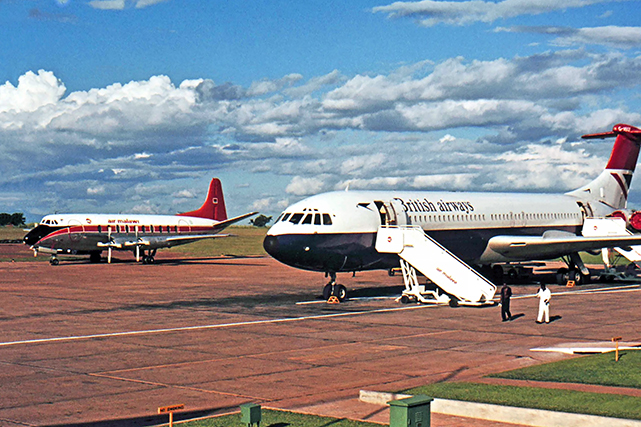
(226, 223)
(555, 244)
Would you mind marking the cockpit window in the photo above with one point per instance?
(317, 219)
(308, 219)
(285, 217)
(295, 219)
(327, 220)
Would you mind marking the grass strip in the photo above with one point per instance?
(607, 405)
(272, 418)
(244, 241)
(599, 369)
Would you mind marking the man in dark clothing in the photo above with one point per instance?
(506, 293)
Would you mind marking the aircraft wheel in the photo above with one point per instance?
(562, 276)
(94, 257)
(405, 299)
(512, 275)
(54, 261)
(340, 292)
(327, 291)
(150, 260)
(576, 276)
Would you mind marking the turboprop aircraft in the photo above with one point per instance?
(440, 233)
(82, 234)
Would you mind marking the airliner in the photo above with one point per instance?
(336, 232)
(90, 234)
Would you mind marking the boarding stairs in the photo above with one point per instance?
(603, 227)
(460, 283)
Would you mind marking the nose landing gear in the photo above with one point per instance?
(333, 289)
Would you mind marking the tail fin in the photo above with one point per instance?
(214, 206)
(611, 187)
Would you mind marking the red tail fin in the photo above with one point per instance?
(626, 147)
(214, 206)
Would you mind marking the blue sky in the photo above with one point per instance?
(133, 105)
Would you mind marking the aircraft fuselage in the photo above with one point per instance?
(336, 232)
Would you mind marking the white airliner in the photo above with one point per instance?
(82, 234)
(337, 231)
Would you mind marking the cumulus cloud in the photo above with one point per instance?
(454, 124)
(32, 92)
(300, 186)
(432, 12)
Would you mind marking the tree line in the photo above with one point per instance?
(16, 219)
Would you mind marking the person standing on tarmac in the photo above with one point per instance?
(544, 295)
(506, 293)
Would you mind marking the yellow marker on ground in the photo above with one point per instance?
(616, 340)
(170, 410)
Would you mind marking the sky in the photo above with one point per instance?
(132, 106)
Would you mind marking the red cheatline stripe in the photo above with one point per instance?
(621, 184)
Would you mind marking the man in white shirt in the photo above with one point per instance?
(544, 295)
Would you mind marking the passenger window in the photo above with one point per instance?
(317, 219)
(327, 220)
(295, 219)
(308, 219)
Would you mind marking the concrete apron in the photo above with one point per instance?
(505, 414)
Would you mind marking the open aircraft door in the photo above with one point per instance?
(391, 213)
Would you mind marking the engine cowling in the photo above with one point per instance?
(635, 221)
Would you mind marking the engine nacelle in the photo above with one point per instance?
(635, 221)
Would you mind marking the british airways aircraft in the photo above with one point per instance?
(337, 231)
(90, 234)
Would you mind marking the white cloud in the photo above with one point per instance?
(424, 125)
(122, 4)
(94, 191)
(300, 186)
(431, 12)
(184, 194)
(612, 36)
(107, 4)
(33, 91)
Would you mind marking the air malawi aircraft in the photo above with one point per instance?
(341, 231)
(82, 234)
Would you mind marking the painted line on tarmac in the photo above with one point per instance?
(608, 290)
(201, 327)
(350, 299)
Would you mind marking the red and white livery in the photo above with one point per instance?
(82, 234)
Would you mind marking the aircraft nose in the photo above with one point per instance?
(270, 243)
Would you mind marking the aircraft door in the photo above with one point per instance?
(391, 213)
(385, 213)
(399, 212)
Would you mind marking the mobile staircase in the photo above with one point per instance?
(460, 283)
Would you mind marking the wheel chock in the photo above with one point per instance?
(570, 284)
(333, 300)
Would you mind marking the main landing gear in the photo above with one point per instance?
(54, 260)
(149, 257)
(576, 271)
(332, 289)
